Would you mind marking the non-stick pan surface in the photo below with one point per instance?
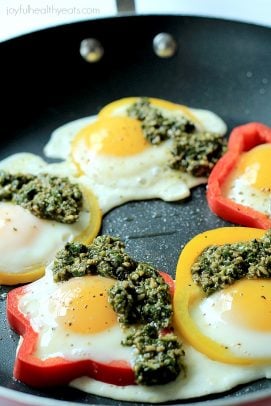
(220, 65)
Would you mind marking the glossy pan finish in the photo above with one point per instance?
(220, 65)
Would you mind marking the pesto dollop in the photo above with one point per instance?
(155, 125)
(220, 266)
(157, 355)
(45, 196)
(197, 153)
(106, 256)
(141, 299)
(194, 152)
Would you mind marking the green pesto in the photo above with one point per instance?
(156, 126)
(220, 266)
(10, 184)
(140, 297)
(143, 297)
(193, 152)
(106, 256)
(47, 197)
(157, 355)
(197, 153)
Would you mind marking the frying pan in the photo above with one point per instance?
(220, 65)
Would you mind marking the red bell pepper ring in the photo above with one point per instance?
(171, 283)
(58, 371)
(242, 139)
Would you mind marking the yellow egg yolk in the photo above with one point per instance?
(81, 305)
(249, 303)
(115, 136)
(118, 108)
(254, 167)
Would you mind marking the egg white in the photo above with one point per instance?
(141, 176)
(248, 183)
(28, 241)
(202, 376)
(240, 191)
(242, 341)
(59, 143)
(145, 175)
(26, 162)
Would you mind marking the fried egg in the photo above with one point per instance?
(77, 323)
(28, 243)
(250, 183)
(239, 318)
(223, 325)
(119, 163)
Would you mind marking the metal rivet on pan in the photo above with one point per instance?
(164, 45)
(91, 50)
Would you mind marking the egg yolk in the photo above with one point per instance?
(81, 305)
(118, 107)
(255, 167)
(115, 136)
(249, 304)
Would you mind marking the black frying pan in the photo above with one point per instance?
(220, 65)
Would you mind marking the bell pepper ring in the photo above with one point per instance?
(188, 293)
(242, 139)
(86, 236)
(56, 371)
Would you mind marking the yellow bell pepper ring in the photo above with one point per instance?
(187, 293)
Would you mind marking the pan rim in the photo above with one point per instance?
(34, 400)
(132, 15)
(19, 396)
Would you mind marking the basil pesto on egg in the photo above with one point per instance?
(140, 298)
(221, 265)
(193, 151)
(45, 196)
(156, 126)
